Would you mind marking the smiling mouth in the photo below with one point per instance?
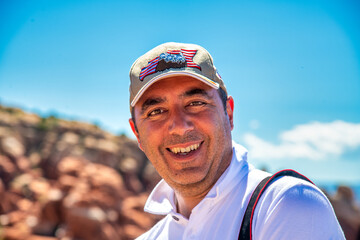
(184, 151)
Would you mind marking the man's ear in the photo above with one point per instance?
(230, 110)
(136, 133)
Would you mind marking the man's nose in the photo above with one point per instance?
(180, 123)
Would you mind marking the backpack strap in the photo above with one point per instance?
(246, 226)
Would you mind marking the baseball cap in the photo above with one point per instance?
(169, 60)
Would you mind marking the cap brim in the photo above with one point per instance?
(205, 80)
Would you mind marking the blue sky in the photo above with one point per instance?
(293, 68)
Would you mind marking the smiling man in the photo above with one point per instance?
(182, 119)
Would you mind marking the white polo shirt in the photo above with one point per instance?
(289, 209)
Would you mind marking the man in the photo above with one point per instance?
(182, 119)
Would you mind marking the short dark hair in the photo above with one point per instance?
(222, 94)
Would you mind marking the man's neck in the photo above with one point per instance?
(188, 197)
(184, 205)
(185, 202)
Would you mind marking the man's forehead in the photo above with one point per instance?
(181, 87)
(187, 93)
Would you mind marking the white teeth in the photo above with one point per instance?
(185, 150)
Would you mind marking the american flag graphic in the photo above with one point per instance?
(151, 67)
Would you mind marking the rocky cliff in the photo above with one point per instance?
(69, 180)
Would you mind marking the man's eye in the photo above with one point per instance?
(155, 112)
(197, 103)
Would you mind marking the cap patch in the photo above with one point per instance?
(171, 59)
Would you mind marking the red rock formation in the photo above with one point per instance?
(62, 179)
(347, 212)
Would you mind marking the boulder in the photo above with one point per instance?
(347, 212)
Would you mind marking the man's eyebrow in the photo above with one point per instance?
(150, 102)
(196, 91)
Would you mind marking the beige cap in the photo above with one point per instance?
(168, 60)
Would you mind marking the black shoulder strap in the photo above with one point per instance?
(245, 230)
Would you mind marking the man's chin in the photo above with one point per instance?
(190, 181)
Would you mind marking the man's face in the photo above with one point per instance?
(185, 133)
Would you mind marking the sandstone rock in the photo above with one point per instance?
(19, 231)
(129, 165)
(90, 142)
(7, 119)
(24, 205)
(59, 177)
(89, 223)
(107, 146)
(7, 169)
(50, 217)
(133, 210)
(9, 201)
(20, 185)
(71, 166)
(22, 163)
(104, 178)
(40, 188)
(66, 182)
(347, 212)
(37, 237)
(30, 119)
(70, 138)
(5, 131)
(12, 146)
(15, 217)
(132, 231)
(34, 159)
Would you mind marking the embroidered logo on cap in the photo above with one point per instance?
(170, 59)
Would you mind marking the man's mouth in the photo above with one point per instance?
(184, 151)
